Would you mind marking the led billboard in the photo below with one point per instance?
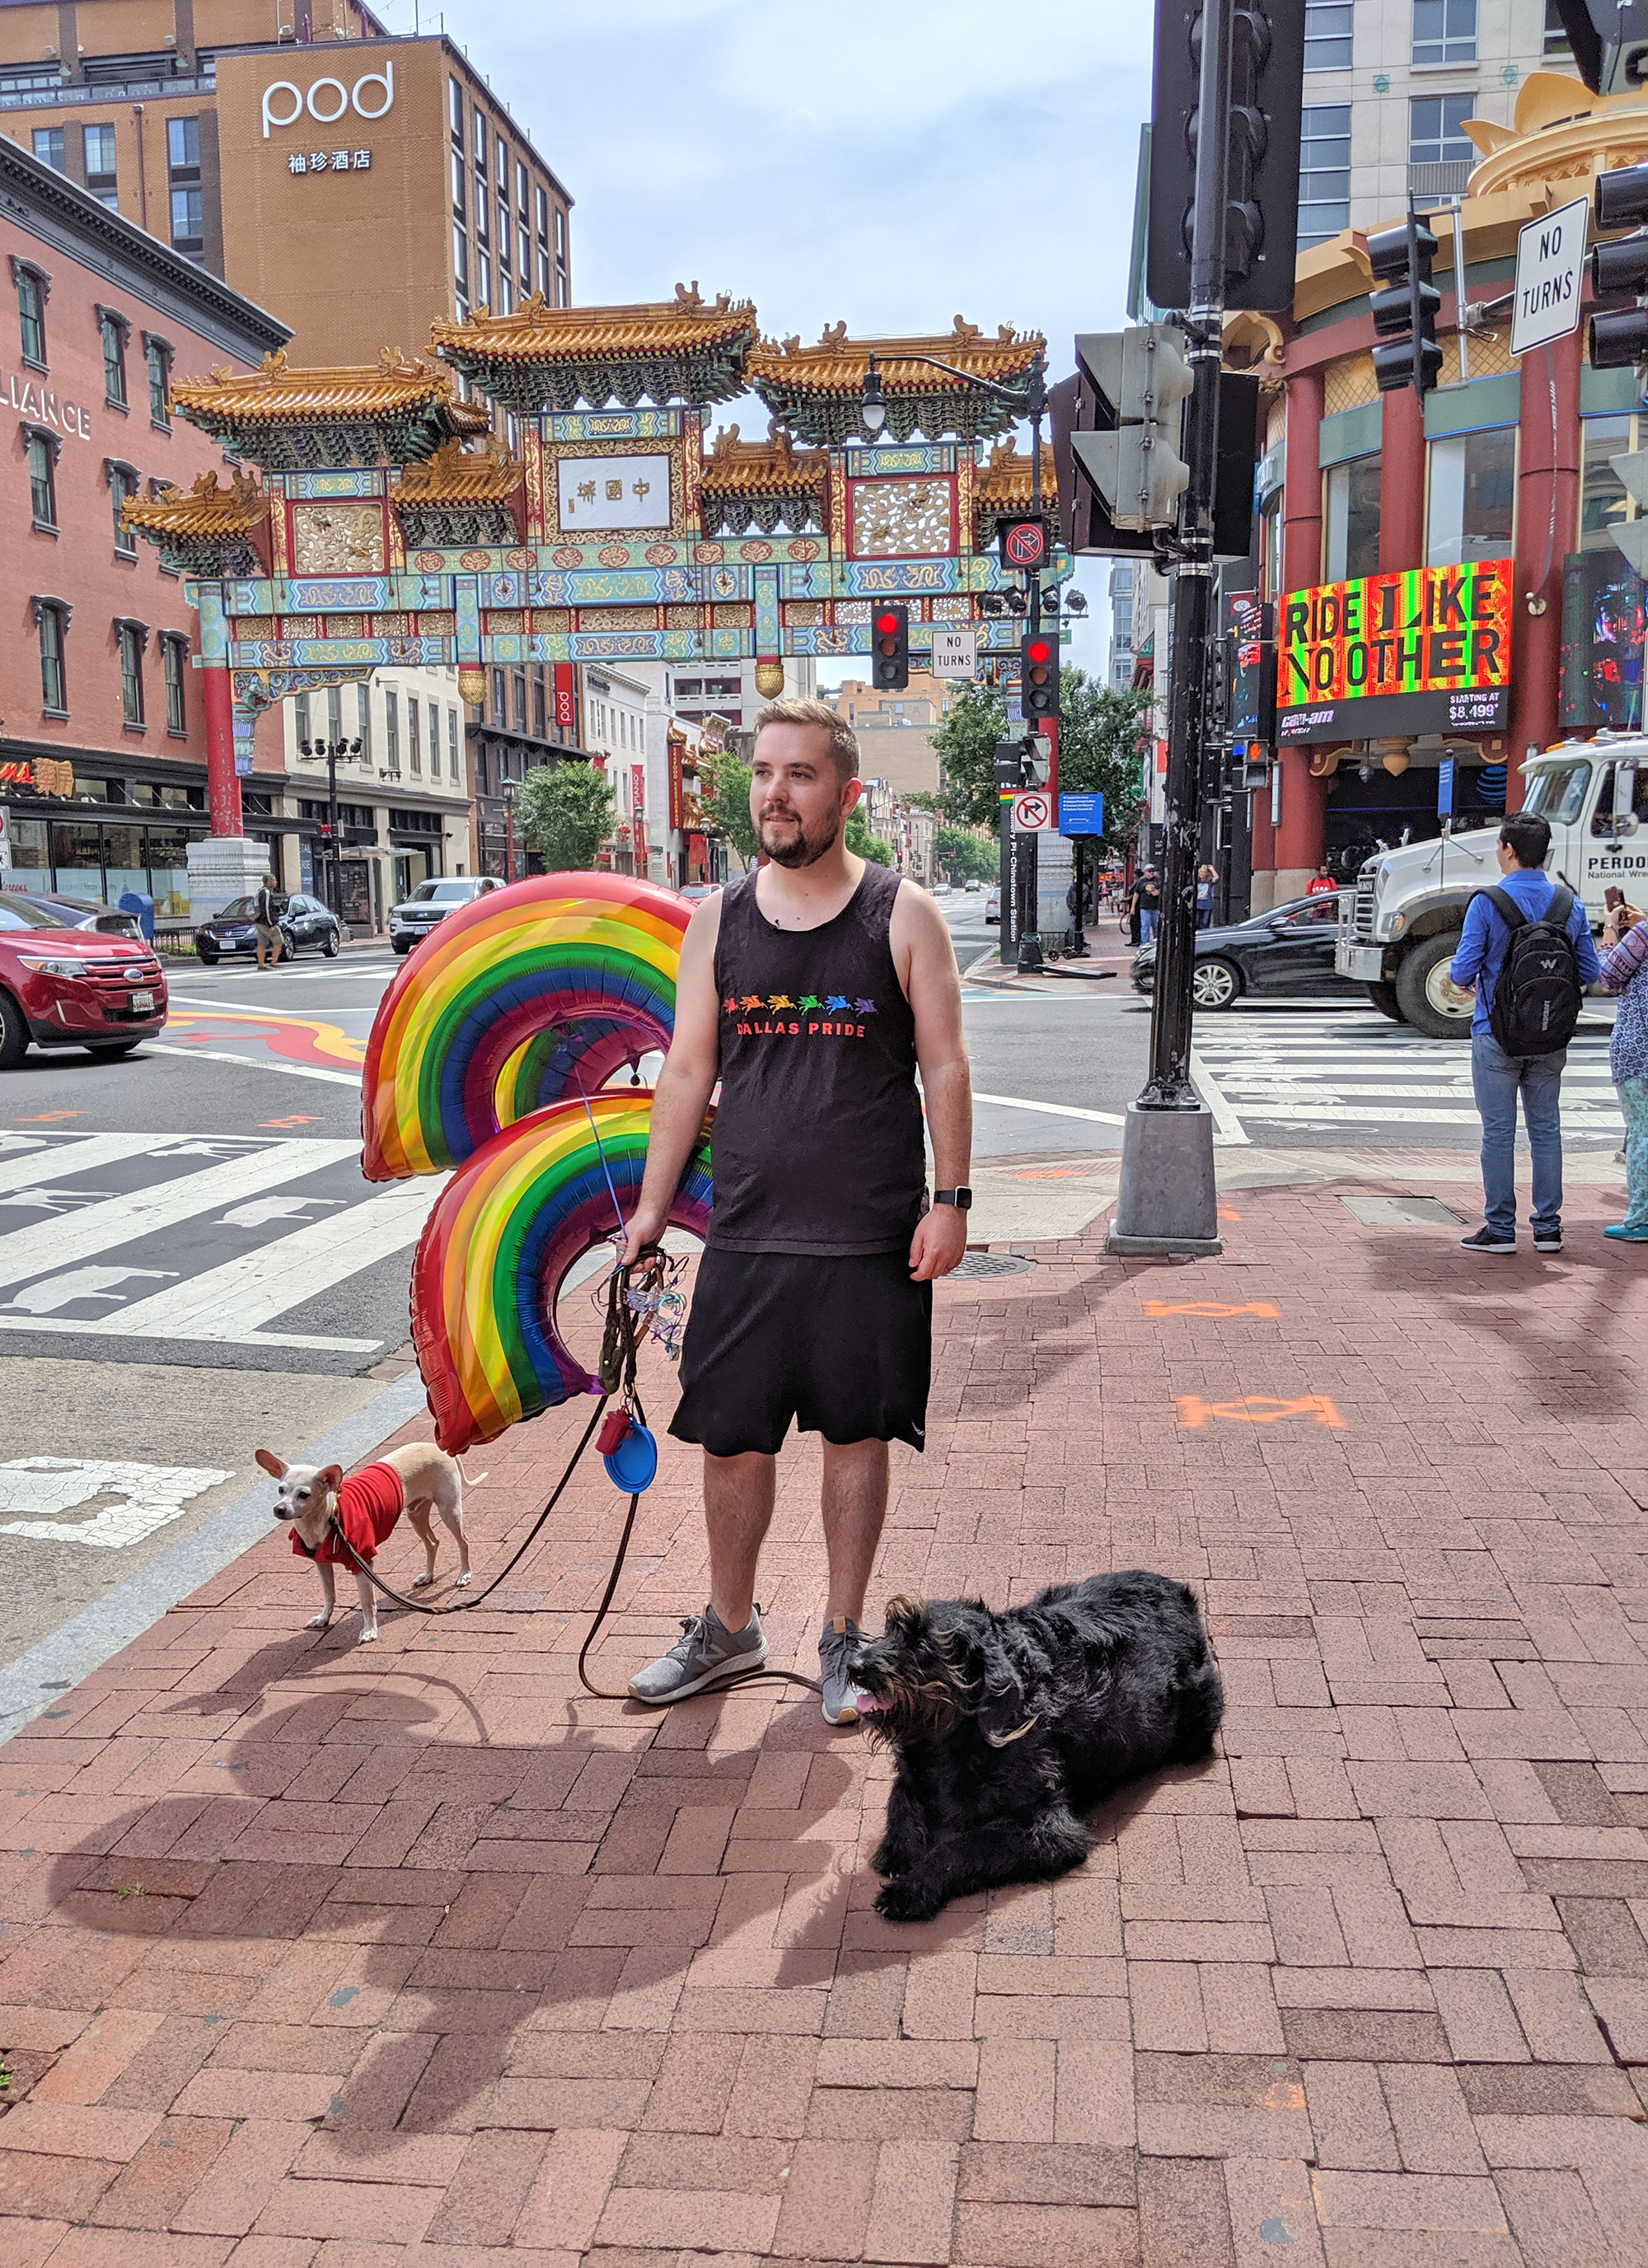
(1427, 651)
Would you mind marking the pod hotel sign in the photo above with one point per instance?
(1424, 652)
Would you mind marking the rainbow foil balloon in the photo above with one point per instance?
(530, 994)
(497, 1248)
(489, 1054)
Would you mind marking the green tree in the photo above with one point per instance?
(974, 857)
(727, 803)
(565, 812)
(965, 744)
(1099, 735)
(862, 843)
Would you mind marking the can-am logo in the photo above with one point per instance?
(318, 100)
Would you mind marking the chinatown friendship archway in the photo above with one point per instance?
(383, 521)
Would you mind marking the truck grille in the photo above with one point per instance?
(1358, 924)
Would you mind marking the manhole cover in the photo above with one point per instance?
(977, 1264)
(1390, 1213)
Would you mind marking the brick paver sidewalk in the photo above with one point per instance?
(315, 1954)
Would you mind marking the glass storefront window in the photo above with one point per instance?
(167, 852)
(1603, 502)
(123, 862)
(78, 855)
(31, 855)
(1350, 519)
(1473, 497)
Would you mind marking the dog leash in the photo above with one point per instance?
(620, 1346)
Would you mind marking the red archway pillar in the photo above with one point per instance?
(1401, 481)
(1548, 509)
(1301, 835)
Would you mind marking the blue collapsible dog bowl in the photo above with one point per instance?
(634, 1465)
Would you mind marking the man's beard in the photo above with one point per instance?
(802, 849)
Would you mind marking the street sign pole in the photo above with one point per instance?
(1168, 1199)
(1030, 939)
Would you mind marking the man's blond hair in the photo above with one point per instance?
(824, 718)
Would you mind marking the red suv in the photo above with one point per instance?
(66, 984)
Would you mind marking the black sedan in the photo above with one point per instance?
(1287, 952)
(305, 922)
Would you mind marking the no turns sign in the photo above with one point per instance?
(1033, 814)
(1550, 267)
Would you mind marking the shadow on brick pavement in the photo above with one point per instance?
(413, 1953)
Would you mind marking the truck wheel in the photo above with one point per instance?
(1383, 996)
(1423, 994)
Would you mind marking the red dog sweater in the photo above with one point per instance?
(369, 1503)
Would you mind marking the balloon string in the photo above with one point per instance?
(599, 1153)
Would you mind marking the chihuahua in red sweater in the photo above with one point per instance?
(418, 1480)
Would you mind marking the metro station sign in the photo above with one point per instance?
(1426, 650)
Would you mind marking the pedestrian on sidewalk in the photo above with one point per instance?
(813, 989)
(266, 922)
(1524, 922)
(1625, 971)
(1150, 905)
(1131, 914)
(1207, 882)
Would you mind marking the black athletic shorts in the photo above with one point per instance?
(842, 1345)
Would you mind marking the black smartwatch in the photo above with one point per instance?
(962, 1198)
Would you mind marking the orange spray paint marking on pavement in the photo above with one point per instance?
(1258, 1410)
(1225, 1213)
(304, 1039)
(45, 1118)
(1208, 1307)
(298, 1120)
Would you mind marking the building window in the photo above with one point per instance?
(188, 208)
(1436, 130)
(391, 729)
(42, 445)
(415, 736)
(520, 700)
(101, 177)
(560, 257)
(1327, 35)
(182, 144)
(301, 717)
(32, 284)
(122, 484)
(541, 224)
(455, 97)
(1604, 504)
(1324, 172)
(482, 278)
(156, 355)
(133, 638)
(1444, 32)
(51, 618)
(114, 331)
(538, 719)
(335, 714)
(363, 721)
(1473, 497)
(1350, 519)
(175, 662)
(1556, 40)
(1271, 524)
(461, 260)
(48, 147)
(453, 767)
(434, 741)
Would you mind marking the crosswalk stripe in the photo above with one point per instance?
(230, 1304)
(1333, 1089)
(82, 1154)
(68, 1237)
(260, 1062)
(1314, 1108)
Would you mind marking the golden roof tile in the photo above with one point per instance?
(276, 394)
(1004, 482)
(538, 333)
(457, 476)
(206, 510)
(839, 364)
(772, 467)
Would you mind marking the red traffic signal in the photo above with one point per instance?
(1039, 675)
(890, 649)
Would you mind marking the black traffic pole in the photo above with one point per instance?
(1168, 1201)
(1030, 849)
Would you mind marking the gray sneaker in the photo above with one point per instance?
(708, 1653)
(837, 1642)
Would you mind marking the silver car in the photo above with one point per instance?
(430, 902)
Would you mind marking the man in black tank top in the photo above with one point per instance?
(813, 989)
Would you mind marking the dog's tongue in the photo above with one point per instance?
(867, 1704)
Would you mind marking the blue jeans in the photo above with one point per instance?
(1633, 1094)
(1497, 1079)
(1147, 925)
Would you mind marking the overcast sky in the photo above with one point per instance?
(895, 164)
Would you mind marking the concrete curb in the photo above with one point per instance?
(33, 1682)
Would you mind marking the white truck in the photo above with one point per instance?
(1399, 929)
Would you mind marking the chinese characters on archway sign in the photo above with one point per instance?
(1427, 651)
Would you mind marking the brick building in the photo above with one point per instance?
(102, 730)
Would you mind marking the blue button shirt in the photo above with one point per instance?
(1482, 946)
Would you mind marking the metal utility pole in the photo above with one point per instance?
(1168, 1199)
(1029, 851)
(334, 752)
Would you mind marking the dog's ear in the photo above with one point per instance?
(329, 1479)
(1005, 1713)
(271, 1464)
(908, 1619)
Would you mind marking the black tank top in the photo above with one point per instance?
(817, 1144)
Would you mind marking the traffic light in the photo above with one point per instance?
(1039, 675)
(1262, 200)
(1081, 412)
(1405, 312)
(1142, 377)
(1619, 335)
(889, 647)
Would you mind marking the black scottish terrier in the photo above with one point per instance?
(1007, 1726)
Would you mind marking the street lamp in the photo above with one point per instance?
(508, 790)
(873, 412)
(333, 753)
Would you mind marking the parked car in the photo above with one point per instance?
(1288, 952)
(68, 983)
(699, 890)
(431, 901)
(993, 903)
(79, 913)
(305, 922)
(973, 883)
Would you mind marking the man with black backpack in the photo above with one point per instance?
(1526, 950)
